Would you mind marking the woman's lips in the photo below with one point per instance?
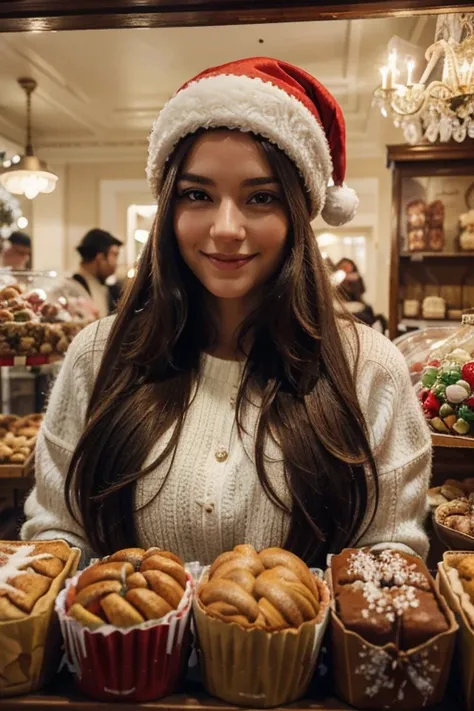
(228, 263)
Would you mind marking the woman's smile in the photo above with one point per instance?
(230, 262)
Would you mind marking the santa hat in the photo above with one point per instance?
(272, 99)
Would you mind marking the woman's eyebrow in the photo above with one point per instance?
(264, 180)
(194, 178)
(202, 180)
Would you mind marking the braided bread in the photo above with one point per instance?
(270, 590)
(127, 588)
(27, 571)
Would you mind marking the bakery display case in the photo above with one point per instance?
(40, 313)
(432, 254)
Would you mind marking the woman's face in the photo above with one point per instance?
(229, 216)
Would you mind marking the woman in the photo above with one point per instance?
(351, 291)
(226, 403)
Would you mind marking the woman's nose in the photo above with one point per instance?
(228, 222)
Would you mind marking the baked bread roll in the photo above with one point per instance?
(457, 515)
(386, 597)
(271, 590)
(127, 588)
(26, 573)
(18, 437)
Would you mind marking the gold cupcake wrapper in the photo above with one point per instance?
(251, 667)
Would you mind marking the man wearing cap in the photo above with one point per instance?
(16, 252)
(99, 252)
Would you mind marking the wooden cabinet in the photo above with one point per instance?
(432, 254)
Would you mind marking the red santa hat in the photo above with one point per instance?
(277, 101)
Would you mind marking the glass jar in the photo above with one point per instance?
(40, 313)
(417, 345)
(446, 384)
(463, 339)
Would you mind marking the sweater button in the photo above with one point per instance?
(221, 454)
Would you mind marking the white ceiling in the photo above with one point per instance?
(106, 87)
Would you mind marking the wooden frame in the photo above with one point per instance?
(38, 15)
(419, 160)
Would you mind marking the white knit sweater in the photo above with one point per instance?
(212, 498)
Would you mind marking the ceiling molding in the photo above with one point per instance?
(351, 64)
(39, 16)
(11, 130)
(53, 87)
(11, 147)
(94, 152)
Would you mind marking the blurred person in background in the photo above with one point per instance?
(16, 251)
(352, 289)
(99, 251)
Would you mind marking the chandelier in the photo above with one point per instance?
(28, 176)
(444, 108)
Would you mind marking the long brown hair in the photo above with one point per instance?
(297, 364)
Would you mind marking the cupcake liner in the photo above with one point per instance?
(460, 603)
(140, 663)
(383, 677)
(251, 667)
(30, 647)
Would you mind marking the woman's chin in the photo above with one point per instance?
(222, 291)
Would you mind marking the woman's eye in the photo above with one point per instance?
(195, 195)
(262, 199)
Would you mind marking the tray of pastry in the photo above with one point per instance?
(17, 444)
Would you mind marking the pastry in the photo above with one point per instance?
(457, 515)
(435, 214)
(435, 239)
(383, 568)
(32, 574)
(26, 573)
(30, 325)
(386, 597)
(125, 623)
(434, 307)
(18, 437)
(271, 590)
(128, 588)
(260, 619)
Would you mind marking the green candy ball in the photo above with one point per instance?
(429, 376)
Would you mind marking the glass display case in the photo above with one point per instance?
(432, 264)
(441, 364)
(417, 345)
(40, 313)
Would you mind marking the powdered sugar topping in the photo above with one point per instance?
(387, 583)
(15, 561)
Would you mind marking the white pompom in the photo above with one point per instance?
(340, 206)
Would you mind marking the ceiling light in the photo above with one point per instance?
(22, 222)
(28, 175)
(441, 109)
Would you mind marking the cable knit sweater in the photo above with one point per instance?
(212, 498)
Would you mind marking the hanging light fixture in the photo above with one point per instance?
(29, 175)
(441, 109)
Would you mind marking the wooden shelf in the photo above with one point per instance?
(420, 256)
(66, 697)
(429, 322)
(452, 441)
